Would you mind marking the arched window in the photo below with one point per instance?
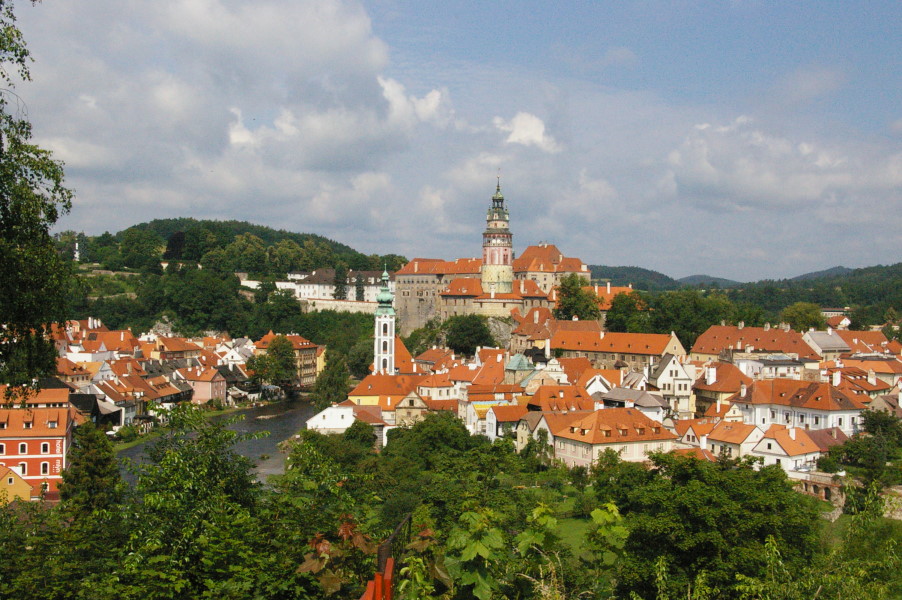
(23, 448)
(385, 329)
(385, 346)
(45, 448)
(384, 364)
(45, 468)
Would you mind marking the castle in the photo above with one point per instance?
(495, 285)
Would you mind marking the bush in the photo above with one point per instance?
(128, 433)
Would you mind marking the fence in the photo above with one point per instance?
(381, 587)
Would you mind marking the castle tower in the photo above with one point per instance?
(497, 248)
(384, 344)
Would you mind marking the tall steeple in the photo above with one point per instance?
(497, 247)
(384, 338)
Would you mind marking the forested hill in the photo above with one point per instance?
(708, 281)
(227, 230)
(641, 279)
(871, 291)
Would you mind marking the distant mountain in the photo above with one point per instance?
(641, 279)
(708, 281)
(832, 272)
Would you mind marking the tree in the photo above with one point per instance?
(359, 291)
(277, 366)
(32, 197)
(332, 384)
(360, 358)
(574, 301)
(466, 332)
(91, 481)
(802, 316)
(341, 282)
(628, 313)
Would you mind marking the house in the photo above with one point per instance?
(35, 443)
(559, 398)
(717, 382)
(385, 391)
(808, 405)
(891, 403)
(694, 432)
(673, 380)
(829, 344)
(651, 405)
(724, 338)
(305, 355)
(72, 373)
(208, 384)
(791, 448)
(12, 486)
(730, 439)
(336, 419)
(611, 350)
(501, 420)
(580, 439)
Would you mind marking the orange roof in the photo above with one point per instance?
(653, 344)
(199, 374)
(466, 286)
(794, 443)
(605, 297)
(126, 366)
(527, 288)
(612, 426)
(546, 258)
(722, 412)
(176, 344)
(297, 342)
(731, 432)
(37, 422)
(381, 384)
(67, 368)
(575, 367)
(836, 321)
(435, 355)
(560, 398)
(443, 404)
(699, 453)
(699, 426)
(614, 377)
(403, 360)
(775, 339)
(435, 266)
(802, 394)
(54, 396)
(888, 366)
(728, 378)
(509, 414)
(864, 341)
(120, 341)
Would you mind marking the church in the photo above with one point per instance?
(495, 285)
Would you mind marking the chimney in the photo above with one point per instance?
(535, 316)
(717, 407)
(710, 375)
(576, 317)
(703, 442)
(743, 390)
(741, 324)
(609, 287)
(829, 331)
(872, 377)
(792, 433)
(722, 323)
(767, 327)
(630, 286)
(837, 377)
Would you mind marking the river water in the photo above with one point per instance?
(281, 420)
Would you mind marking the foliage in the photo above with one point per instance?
(475, 546)
(340, 282)
(32, 197)
(467, 332)
(277, 366)
(360, 358)
(332, 384)
(576, 302)
(714, 518)
(803, 316)
(628, 313)
(91, 480)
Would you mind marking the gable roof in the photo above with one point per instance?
(800, 394)
(728, 378)
(612, 426)
(771, 339)
(731, 432)
(548, 259)
(651, 344)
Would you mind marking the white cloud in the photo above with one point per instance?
(527, 130)
(806, 84)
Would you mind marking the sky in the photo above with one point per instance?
(740, 139)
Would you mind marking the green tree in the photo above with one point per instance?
(91, 481)
(628, 313)
(341, 282)
(574, 301)
(332, 384)
(277, 366)
(32, 197)
(802, 316)
(467, 332)
(141, 248)
(360, 358)
(359, 290)
(475, 547)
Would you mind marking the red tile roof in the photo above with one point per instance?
(612, 426)
(653, 344)
(546, 258)
(728, 378)
(801, 394)
(775, 339)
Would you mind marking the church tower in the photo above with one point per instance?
(384, 344)
(497, 248)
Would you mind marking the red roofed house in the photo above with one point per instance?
(385, 391)
(791, 448)
(305, 355)
(501, 420)
(580, 440)
(610, 350)
(12, 486)
(719, 338)
(717, 382)
(798, 404)
(35, 442)
(208, 384)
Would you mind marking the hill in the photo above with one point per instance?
(708, 281)
(831, 272)
(641, 279)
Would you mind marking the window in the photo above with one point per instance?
(51, 424)
(27, 424)
(840, 421)
(45, 448)
(23, 469)
(817, 420)
(45, 468)
(2, 448)
(23, 448)
(768, 445)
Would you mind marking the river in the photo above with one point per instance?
(281, 420)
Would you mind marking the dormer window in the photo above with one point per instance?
(51, 424)
(27, 424)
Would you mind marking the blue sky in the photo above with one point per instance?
(740, 139)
